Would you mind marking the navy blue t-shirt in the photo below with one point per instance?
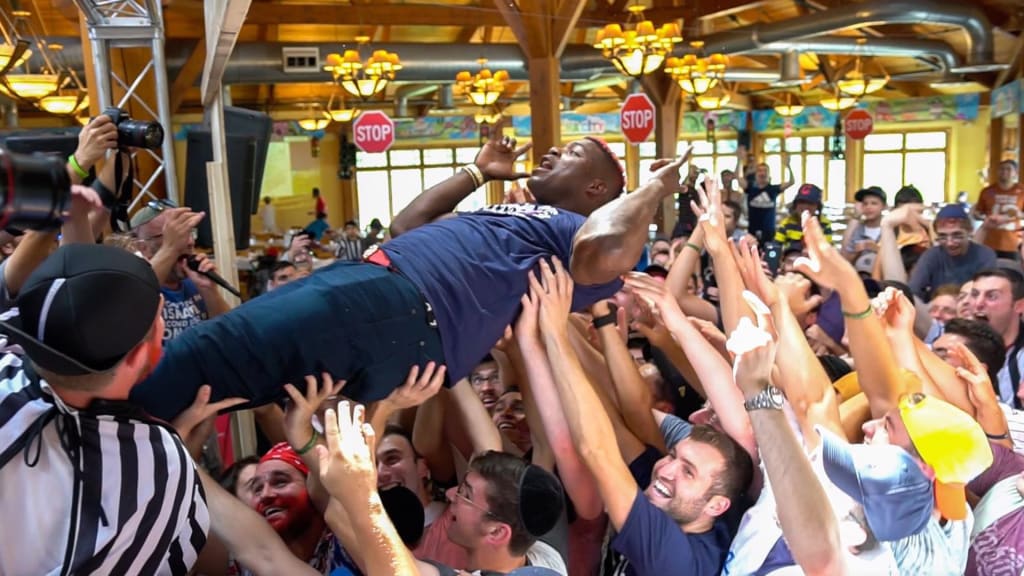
(654, 544)
(761, 210)
(472, 269)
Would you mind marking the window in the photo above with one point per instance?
(919, 158)
(811, 163)
(713, 157)
(388, 182)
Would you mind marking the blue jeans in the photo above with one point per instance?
(358, 322)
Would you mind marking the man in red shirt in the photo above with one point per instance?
(1000, 206)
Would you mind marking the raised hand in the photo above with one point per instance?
(554, 293)
(497, 159)
(666, 171)
(753, 347)
(417, 388)
(824, 264)
(709, 217)
(752, 271)
(347, 468)
(195, 424)
(298, 415)
(94, 140)
(980, 391)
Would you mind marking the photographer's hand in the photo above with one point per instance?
(77, 229)
(94, 140)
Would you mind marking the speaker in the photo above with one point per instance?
(256, 125)
(241, 157)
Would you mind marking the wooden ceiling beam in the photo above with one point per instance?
(188, 74)
(466, 34)
(564, 22)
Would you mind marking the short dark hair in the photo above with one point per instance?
(351, 223)
(321, 215)
(1015, 279)
(907, 195)
(396, 430)
(502, 473)
(281, 265)
(983, 341)
(737, 474)
(737, 210)
(229, 478)
(316, 191)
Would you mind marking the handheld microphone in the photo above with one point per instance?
(193, 263)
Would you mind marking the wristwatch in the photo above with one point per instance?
(771, 397)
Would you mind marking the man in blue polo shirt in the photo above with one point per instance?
(442, 290)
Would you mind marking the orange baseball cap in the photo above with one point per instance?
(952, 443)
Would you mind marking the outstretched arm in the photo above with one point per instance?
(496, 161)
(610, 242)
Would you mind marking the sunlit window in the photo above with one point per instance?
(712, 157)
(388, 182)
(918, 158)
(811, 163)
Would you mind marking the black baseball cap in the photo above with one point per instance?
(84, 308)
(808, 193)
(870, 191)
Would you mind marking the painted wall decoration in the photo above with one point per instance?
(1006, 100)
(961, 107)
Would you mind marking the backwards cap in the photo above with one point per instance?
(952, 443)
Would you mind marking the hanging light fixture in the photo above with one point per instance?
(28, 86)
(856, 83)
(713, 99)
(485, 118)
(787, 109)
(14, 50)
(314, 124)
(359, 78)
(696, 74)
(483, 88)
(837, 103)
(68, 100)
(341, 114)
(641, 49)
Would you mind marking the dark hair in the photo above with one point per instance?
(907, 195)
(834, 366)
(1010, 162)
(396, 430)
(737, 474)
(907, 291)
(910, 254)
(736, 209)
(351, 223)
(502, 473)
(983, 341)
(316, 191)
(375, 224)
(488, 358)
(321, 215)
(229, 478)
(281, 265)
(1015, 279)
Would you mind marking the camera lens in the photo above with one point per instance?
(35, 190)
(140, 134)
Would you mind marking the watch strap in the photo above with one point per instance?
(764, 400)
(602, 321)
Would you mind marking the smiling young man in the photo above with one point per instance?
(278, 493)
(443, 289)
(954, 259)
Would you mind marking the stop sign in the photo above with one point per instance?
(637, 118)
(858, 124)
(374, 131)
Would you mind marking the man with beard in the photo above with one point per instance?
(166, 237)
(443, 289)
(279, 494)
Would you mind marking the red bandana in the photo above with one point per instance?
(288, 455)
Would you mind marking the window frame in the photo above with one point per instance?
(903, 151)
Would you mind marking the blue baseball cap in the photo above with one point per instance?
(952, 212)
(897, 497)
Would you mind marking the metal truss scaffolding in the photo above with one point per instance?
(134, 25)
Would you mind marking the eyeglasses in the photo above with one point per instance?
(461, 490)
(161, 204)
(480, 380)
(950, 238)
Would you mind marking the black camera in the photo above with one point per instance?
(35, 191)
(135, 133)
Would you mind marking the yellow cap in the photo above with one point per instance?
(848, 386)
(951, 442)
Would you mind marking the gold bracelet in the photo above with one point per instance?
(474, 172)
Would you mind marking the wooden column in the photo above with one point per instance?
(666, 95)
(854, 167)
(542, 29)
(995, 148)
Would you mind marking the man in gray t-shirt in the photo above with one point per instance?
(955, 258)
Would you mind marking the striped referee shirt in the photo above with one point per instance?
(106, 490)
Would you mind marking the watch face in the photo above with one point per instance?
(775, 395)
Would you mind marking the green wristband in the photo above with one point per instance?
(82, 172)
(309, 445)
(859, 315)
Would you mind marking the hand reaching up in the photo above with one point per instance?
(553, 292)
(824, 264)
(298, 415)
(347, 468)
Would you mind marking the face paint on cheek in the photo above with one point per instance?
(295, 515)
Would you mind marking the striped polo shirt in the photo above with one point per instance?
(106, 490)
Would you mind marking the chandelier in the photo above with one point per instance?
(69, 99)
(485, 118)
(640, 50)
(359, 78)
(27, 86)
(314, 124)
(342, 114)
(857, 84)
(713, 99)
(697, 75)
(14, 50)
(837, 103)
(482, 88)
(787, 109)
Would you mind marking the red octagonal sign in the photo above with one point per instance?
(637, 118)
(373, 131)
(858, 124)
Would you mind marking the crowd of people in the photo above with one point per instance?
(534, 388)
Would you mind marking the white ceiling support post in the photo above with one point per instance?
(135, 25)
(224, 19)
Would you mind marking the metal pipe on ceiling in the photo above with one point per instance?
(938, 53)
